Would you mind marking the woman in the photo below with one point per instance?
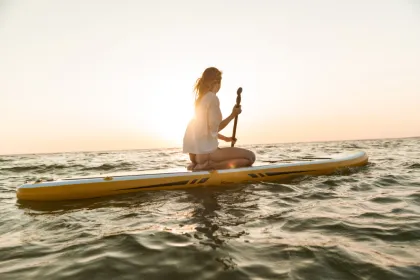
(202, 134)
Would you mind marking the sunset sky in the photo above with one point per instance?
(110, 75)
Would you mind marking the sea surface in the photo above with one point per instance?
(363, 224)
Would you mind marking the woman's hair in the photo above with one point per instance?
(208, 79)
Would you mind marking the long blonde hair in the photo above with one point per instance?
(208, 79)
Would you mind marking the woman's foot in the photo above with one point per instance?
(205, 166)
(191, 166)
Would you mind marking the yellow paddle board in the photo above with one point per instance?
(113, 184)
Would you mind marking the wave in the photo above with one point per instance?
(109, 166)
(352, 146)
(414, 166)
(44, 168)
(38, 168)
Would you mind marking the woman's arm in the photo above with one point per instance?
(235, 111)
(225, 122)
(226, 139)
(222, 137)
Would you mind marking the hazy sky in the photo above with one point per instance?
(99, 75)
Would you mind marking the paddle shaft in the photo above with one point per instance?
(238, 104)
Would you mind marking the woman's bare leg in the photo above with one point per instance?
(230, 153)
(226, 164)
(225, 158)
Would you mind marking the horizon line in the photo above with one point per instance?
(178, 147)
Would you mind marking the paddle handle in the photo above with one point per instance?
(238, 104)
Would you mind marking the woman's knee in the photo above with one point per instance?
(247, 154)
(251, 156)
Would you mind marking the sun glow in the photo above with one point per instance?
(171, 124)
(167, 111)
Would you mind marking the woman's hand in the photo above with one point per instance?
(236, 111)
(227, 139)
(231, 139)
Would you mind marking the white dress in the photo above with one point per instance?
(201, 135)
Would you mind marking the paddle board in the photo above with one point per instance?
(113, 184)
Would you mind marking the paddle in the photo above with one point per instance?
(238, 104)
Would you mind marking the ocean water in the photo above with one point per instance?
(364, 224)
